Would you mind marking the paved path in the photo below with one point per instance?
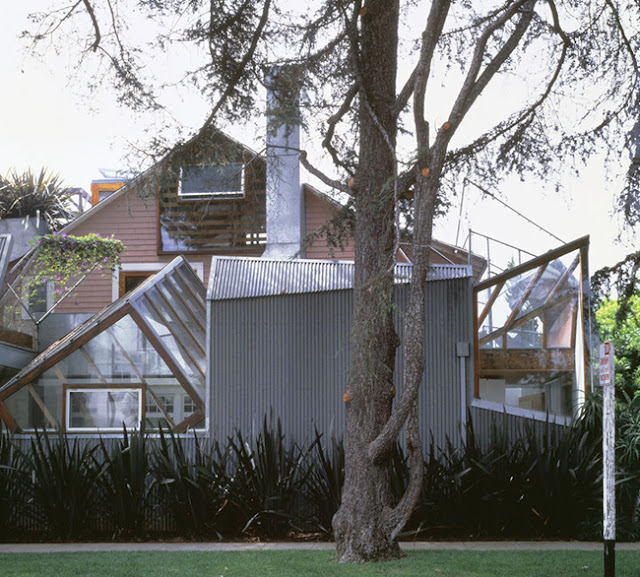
(309, 546)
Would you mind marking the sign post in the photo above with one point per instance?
(607, 382)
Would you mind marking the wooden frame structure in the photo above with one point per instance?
(547, 293)
(166, 311)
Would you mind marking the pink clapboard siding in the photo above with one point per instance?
(134, 221)
(318, 211)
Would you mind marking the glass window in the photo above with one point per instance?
(529, 335)
(103, 409)
(204, 181)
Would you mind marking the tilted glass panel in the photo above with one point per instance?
(180, 322)
(162, 322)
(167, 404)
(188, 300)
(527, 337)
(96, 377)
(26, 405)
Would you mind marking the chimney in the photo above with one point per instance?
(285, 198)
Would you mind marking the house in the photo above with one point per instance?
(270, 331)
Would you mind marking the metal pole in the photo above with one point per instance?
(607, 381)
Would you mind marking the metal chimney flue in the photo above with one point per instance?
(285, 199)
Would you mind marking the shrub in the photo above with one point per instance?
(124, 485)
(267, 482)
(62, 485)
(29, 194)
(194, 490)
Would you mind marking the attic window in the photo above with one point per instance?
(211, 180)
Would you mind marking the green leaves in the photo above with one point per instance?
(62, 258)
(29, 194)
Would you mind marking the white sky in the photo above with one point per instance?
(47, 121)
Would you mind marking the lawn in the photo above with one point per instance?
(316, 563)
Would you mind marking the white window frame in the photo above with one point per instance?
(203, 194)
(67, 417)
(150, 267)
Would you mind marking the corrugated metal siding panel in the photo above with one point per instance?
(290, 355)
(297, 366)
(234, 278)
(487, 424)
(448, 321)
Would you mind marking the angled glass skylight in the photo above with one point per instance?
(531, 339)
(141, 359)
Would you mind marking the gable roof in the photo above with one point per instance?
(146, 178)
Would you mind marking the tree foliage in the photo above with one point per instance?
(388, 89)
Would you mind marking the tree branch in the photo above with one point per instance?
(94, 21)
(239, 72)
(397, 518)
(331, 126)
(321, 175)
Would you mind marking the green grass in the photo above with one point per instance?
(315, 563)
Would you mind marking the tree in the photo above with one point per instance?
(367, 110)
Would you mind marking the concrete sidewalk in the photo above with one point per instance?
(310, 546)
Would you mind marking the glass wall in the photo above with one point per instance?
(530, 334)
(122, 369)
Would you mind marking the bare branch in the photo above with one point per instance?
(94, 21)
(332, 123)
(321, 175)
(430, 37)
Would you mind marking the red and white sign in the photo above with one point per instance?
(606, 363)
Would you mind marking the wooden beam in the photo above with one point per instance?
(67, 345)
(581, 243)
(190, 421)
(492, 299)
(500, 362)
(36, 397)
(524, 319)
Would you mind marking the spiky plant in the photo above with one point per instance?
(124, 485)
(62, 484)
(323, 488)
(32, 194)
(267, 481)
(193, 488)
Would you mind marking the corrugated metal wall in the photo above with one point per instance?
(289, 355)
(488, 423)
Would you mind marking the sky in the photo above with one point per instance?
(49, 119)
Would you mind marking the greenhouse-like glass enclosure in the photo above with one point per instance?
(531, 345)
(140, 360)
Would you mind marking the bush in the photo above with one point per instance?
(62, 485)
(194, 490)
(124, 485)
(27, 194)
(269, 487)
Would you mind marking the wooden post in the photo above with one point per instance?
(607, 381)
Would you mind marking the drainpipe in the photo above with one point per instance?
(463, 351)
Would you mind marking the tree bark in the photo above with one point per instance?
(361, 526)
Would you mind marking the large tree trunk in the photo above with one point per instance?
(361, 529)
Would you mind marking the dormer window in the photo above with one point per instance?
(199, 182)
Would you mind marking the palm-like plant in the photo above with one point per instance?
(36, 194)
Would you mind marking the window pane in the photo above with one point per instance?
(211, 180)
(103, 409)
(528, 329)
